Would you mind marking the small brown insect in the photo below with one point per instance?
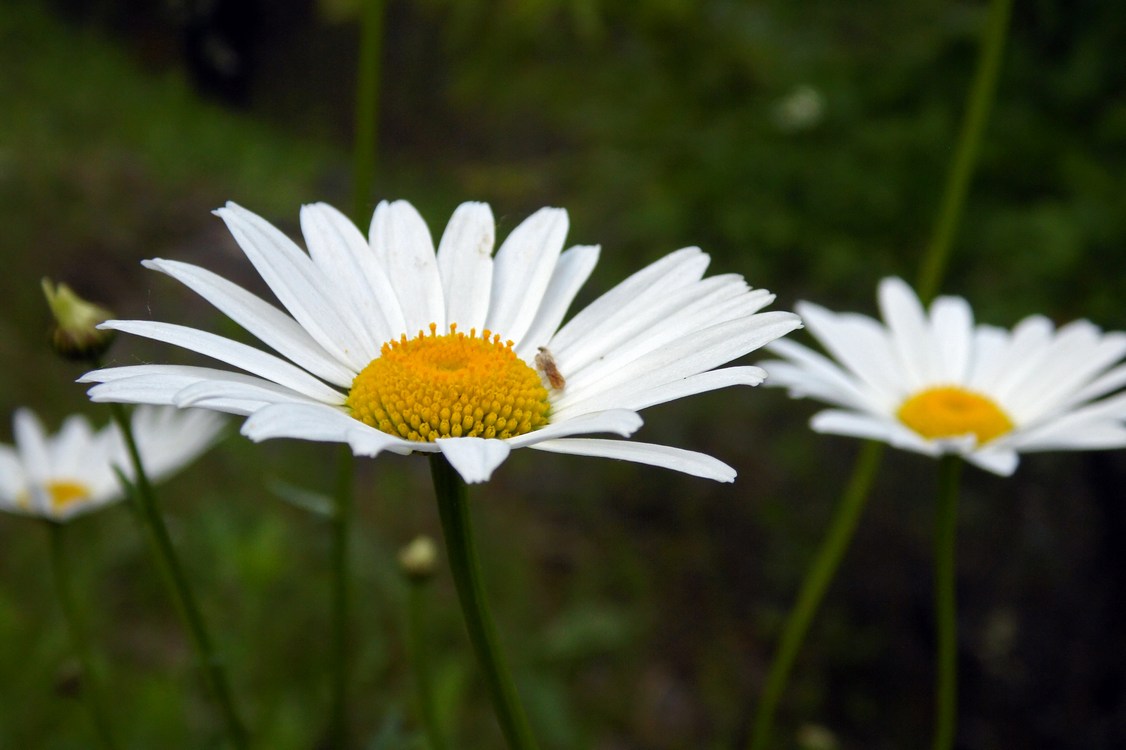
(545, 363)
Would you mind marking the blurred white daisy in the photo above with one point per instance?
(937, 384)
(60, 476)
(388, 345)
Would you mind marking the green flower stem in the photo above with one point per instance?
(209, 663)
(979, 101)
(813, 588)
(420, 655)
(367, 106)
(341, 579)
(462, 553)
(91, 685)
(946, 687)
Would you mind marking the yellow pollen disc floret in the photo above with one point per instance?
(64, 493)
(453, 385)
(950, 411)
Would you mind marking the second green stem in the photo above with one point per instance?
(209, 662)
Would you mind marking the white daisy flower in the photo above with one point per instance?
(60, 476)
(937, 384)
(388, 345)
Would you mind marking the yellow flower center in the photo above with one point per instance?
(63, 494)
(453, 385)
(950, 411)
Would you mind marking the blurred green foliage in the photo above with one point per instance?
(803, 144)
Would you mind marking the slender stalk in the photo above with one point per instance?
(367, 106)
(420, 655)
(209, 662)
(813, 588)
(979, 101)
(341, 579)
(946, 686)
(462, 553)
(91, 685)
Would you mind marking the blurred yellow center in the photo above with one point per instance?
(64, 494)
(453, 385)
(950, 411)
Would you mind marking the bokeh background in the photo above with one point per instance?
(803, 144)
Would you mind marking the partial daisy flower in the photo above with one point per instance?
(936, 384)
(64, 475)
(388, 345)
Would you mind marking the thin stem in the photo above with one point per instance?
(979, 101)
(209, 663)
(420, 655)
(816, 582)
(462, 553)
(946, 687)
(367, 106)
(91, 686)
(341, 578)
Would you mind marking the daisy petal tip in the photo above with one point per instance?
(475, 459)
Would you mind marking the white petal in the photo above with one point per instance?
(297, 283)
(628, 396)
(170, 439)
(952, 327)
(402, 242)
(160, 385)
(809, 374)
(338, 249)
(320, 424)
(853, 424)
(11, 478)
(1078, 353)
(679, 318)
(675, 270)
(704, 350)
(31, 444)
(687, 462)
(232, 352)
(1092, 425)
(571, 272)
(269, 324)
(618, 421)
(465, 264)
(522, 270)
(474, 458)
(1110, 380)
(1024, 347)
(910, 332)
(861, 345)
(262, 391)
(997, 461)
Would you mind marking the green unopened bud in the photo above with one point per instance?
(419, 558)
(74, 333)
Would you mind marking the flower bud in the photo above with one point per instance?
(419, 558)
(74, 333)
